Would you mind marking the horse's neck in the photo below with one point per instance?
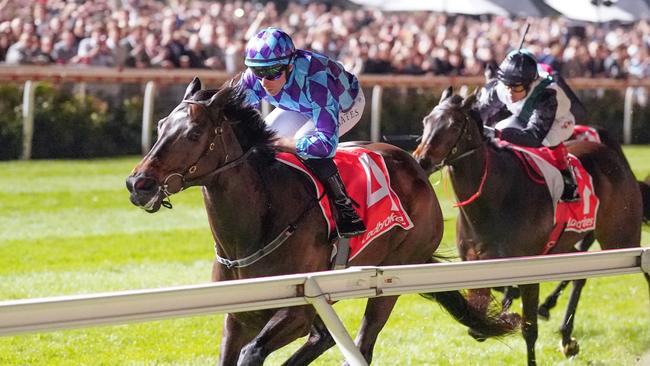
(507, 193)
(467, 173)
(237, 204)
(241, 211)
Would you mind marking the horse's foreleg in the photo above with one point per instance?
(319, 341)
(235, 336)
(569, 344)
(378, 310)
(285, 326)
(530, 299)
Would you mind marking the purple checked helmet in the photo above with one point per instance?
(271, 46)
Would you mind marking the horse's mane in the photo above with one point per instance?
(249, 127)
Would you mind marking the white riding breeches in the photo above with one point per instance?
(295, 125)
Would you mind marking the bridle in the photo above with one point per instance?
(190, 176)
(451, 158)
(204, 168)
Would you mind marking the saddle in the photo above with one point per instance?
(367, 181)
(579, 216)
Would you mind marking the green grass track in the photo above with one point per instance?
(67, 227)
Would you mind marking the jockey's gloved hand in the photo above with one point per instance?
(489, 132)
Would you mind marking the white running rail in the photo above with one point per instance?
(318, 289)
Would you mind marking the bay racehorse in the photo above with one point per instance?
(214, 140)
(509, 215)
(584, 245)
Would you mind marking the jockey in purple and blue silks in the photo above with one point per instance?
(316, 101)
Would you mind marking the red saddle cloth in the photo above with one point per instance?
(366, 180)
(577, 216)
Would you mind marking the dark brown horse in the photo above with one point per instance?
(584, 245)
(212, 139)
(510, 215)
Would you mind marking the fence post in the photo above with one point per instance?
(627, 115)
(147, 115)
(314, 295)
(28, 119)
(375, 113)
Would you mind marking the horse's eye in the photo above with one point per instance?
(194, 134)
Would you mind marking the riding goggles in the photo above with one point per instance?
(516, 88)
(269, 72)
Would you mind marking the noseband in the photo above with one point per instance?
(190, 175)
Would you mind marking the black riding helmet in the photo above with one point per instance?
(519, 68)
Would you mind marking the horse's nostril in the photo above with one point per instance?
(144, 185)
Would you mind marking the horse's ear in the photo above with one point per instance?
(447, 93)
(234, 81)
(220, 97)
(194, 86)
(470, 100)
(490, 72)
(473, 113)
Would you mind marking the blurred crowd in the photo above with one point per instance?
(201, 34)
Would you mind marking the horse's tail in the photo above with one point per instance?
(645, 194)
(610, 142)
(482, 324)
(644, 186)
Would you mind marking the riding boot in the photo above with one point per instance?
(347, 220)
(570, 192)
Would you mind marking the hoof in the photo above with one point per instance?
(570, 349)
(544, 313)
(476, 335)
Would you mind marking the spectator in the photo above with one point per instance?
(195, 52)
(378, 60)
(615, 63)
(23, 51)
(65, 49)
(5, 41)
(154, 52)
(152, 33)
(131, 49)
(441, 64)
(94, 50)
(43, 55)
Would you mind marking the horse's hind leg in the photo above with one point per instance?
(569, 344)
(319, 341)
(378, 310)
(509, 294)
(544, 310)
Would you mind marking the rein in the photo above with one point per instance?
(285, 234)
(449, 160)
(481, 185)
(268, 248)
